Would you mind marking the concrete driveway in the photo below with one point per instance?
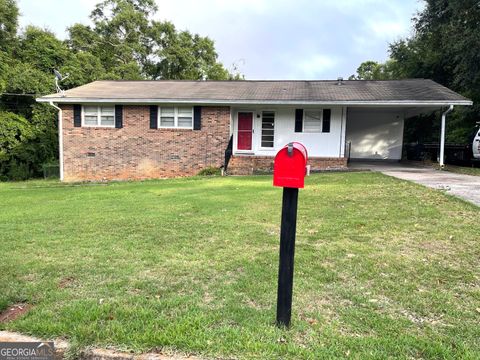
(466, 187)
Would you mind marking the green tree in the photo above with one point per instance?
(8, 24)
(182, 55)
(15, 132)
(445, 47)
(8, 37)
(131, 46)
(372, 70)
(41, 49)
(122, 43)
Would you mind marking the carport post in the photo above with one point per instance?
(442, 137)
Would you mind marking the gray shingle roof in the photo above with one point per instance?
(290, 92)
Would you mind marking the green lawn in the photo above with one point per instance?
(463, 170)
(384, 268)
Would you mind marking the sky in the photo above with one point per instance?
(267, 39)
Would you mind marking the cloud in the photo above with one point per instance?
(316, 65)
(275, 38)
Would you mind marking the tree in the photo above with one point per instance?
(445, 47)
(15, 131)
(122, 43)
(131, 46)
(182, 55)
(372, 70)
(8, 24)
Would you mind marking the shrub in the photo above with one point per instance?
(210, 171)
(51, 170)
(18, 171)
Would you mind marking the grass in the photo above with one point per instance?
(384, 268)
(463, 170)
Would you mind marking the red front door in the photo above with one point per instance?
(245, 127)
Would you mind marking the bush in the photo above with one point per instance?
(18, 171)
(210, 171)
(51, 170)
(26, 145)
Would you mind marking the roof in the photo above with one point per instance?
(396, 92)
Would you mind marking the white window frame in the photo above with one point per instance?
(321, 121)
(99, 116)
(175, 118)
(261, 129)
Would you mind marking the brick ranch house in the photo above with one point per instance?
(151, 129)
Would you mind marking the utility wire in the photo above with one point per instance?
(19, 94)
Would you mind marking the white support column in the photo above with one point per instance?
(442, 137)
(60, 138)
(343, 132)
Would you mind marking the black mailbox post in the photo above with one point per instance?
(290, 168)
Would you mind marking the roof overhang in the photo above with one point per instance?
(146, 101)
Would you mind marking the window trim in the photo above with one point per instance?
(175, 118)
(99, 116)
(261, 129)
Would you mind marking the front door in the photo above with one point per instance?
(245, 130)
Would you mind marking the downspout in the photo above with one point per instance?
(60, 138)
(442, 136)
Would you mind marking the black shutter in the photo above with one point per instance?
(298, 120)
(197, 117)
(326, 120)
(77, 115)
(118, 116)
(153, 116)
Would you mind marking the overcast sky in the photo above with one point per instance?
(268, 39)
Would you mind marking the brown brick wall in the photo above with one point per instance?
(248, 165)
(138, 152)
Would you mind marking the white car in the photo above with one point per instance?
(476, 146)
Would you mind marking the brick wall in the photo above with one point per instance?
(138, 152)
(248, 165)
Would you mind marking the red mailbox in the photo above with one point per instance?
(290, 166)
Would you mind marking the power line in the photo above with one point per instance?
(1, 94)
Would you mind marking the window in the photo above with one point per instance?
(312, 122)
(176, 117)
(167, 117)
(268, 129)
(99, 116)
(316, 121)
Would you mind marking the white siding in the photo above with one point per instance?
(318, 144)
(375, 133)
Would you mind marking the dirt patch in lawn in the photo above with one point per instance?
(66, 282)
(13, 312)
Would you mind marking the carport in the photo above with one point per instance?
(376, 132)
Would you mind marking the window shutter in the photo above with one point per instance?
(118, 116)
(298, 120)
(326, 120)
(197, 117)
(77, 115)
(153, 116)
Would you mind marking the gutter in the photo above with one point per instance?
(442, 136)
(60, 137)
(148, 101)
